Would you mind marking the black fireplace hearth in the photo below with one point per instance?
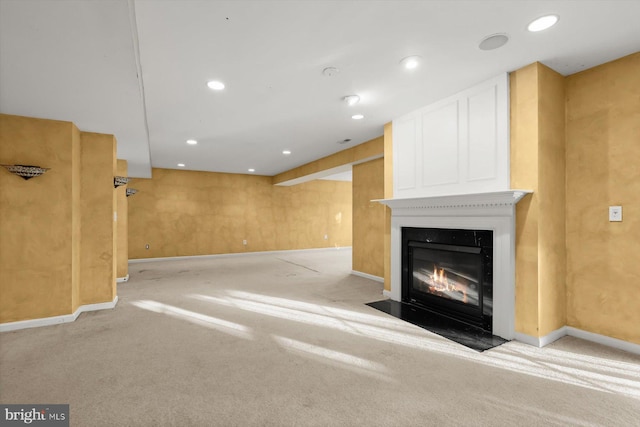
(462, 333)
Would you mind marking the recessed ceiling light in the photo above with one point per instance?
(180, 165)
(251, 170)
(215, 85)
(542, 23)
(351, 99)
(286, 152)
(357, 117)
(410, 62)
(494, 41)
(192, 141)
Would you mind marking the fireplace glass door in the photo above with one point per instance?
(446, 271)
(449, 272)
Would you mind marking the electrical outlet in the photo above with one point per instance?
(615, 213)
(326, 237)
(244, 242)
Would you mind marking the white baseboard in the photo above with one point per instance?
(179, 258)
(603, 339)
(526, 339)
(541, 341)
(578, 333)
(122, 279)
(386, 293)
(368, 276)
(55, 320)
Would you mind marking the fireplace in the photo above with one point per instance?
(449, 272)
(494, 212)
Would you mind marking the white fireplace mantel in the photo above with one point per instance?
(472, 200)
(493, 211)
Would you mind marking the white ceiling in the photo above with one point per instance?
(138, 69)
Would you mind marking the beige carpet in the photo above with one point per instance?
(286, 340)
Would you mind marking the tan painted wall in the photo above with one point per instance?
(181, 213)
(388, 194)
(524, 174)
(98, 229)
(122, 245)
(603, 169)
(538, 164)
(362, 152)
(76, 220)
(368, 218)
(552, 201)
(36, 219)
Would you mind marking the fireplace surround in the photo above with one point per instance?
(491, 211)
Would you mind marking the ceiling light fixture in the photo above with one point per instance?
(286, 152)
(251, 170)
(410, 62)
(493, 41)
(215, 85)
(357, 117)
(330, 71)
(192, 141)
(181, 165)
(542, 23)
(351, 99)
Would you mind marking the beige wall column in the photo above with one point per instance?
(537, 163)
(37, 223)
(368, 218)
(388, 194)
(98, 228)
(551, 201)
(122, 223)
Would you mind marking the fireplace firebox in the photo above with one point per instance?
(449, 273)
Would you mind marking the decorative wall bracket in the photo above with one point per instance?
(26, 171)
(131, 191)
(119, 181)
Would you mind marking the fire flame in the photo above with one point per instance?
(441, 283)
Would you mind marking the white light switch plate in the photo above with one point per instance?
(615, 213)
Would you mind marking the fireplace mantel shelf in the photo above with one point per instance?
(472, 200)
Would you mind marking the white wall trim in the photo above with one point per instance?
(386, 293)
(603, 339)
(541, 341)
(578, 333)
(527, 339)
(468, 134)
(55, 320)
(122, 279)
(178, 258)
(368, 276)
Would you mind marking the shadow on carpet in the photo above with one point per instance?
(469, 336)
